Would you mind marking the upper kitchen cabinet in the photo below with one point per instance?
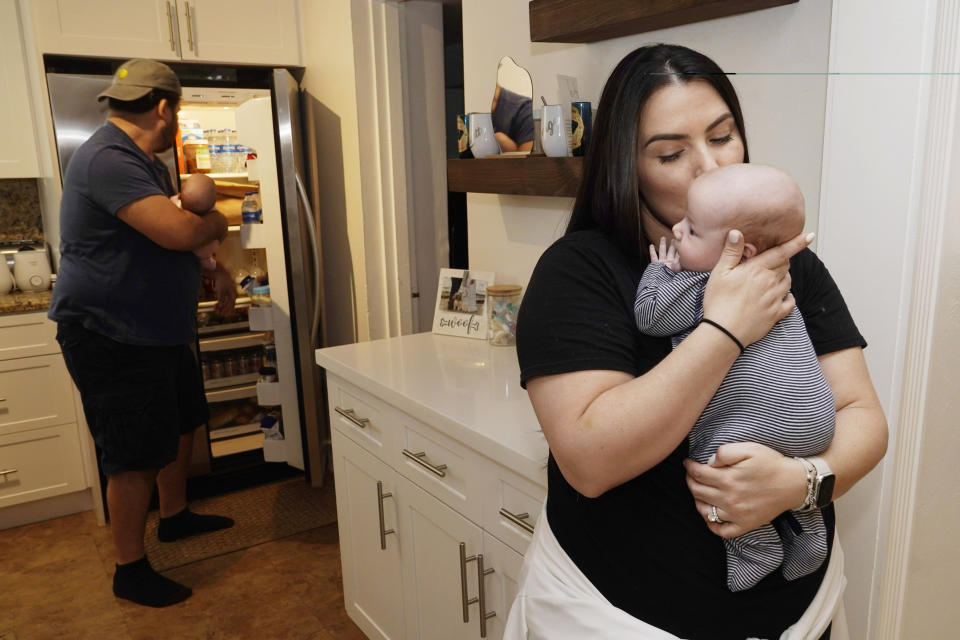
(18, 153)
(230, 31)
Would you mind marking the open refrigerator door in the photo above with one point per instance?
(247, 358)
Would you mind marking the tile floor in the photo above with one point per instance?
(55, 582)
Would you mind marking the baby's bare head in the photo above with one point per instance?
(198, 193)
(763, 202)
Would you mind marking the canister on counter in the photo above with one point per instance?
(503, 302)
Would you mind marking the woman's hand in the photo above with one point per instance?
(749, 298)
(749, 484)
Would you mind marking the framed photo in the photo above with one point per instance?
(462, 303)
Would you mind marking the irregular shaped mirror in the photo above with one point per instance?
(512, 107)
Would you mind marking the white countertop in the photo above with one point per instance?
(461, 386)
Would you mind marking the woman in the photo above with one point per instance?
(631, 516)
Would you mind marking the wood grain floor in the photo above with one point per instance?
(56, 579)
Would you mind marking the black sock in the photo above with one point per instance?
(187, 523)
(138, 582)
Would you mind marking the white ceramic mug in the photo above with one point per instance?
(482, 141)
(553, 134)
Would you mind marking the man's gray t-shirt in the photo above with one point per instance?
(112, 279)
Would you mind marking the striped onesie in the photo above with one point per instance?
(774, 394)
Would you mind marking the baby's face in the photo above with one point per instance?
(700, 237)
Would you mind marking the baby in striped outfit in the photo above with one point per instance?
(775, 393)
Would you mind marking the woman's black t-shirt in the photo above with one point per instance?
(643, 544)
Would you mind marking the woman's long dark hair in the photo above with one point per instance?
(609, 195)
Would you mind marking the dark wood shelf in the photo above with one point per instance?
(586, 21)
(526, 176)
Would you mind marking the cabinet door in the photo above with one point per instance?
(35, 392)
(372, 583)
(40, 463)
(18, 153)
(500, 586)
(431, 534)
(128, 29)
(240, 31)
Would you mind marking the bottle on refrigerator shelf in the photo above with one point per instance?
(250, 209)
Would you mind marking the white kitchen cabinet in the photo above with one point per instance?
(40, 450)
(438, 581)
(228, 31)
(366, 511)
(18, 152)
(240, 31)
(442, 425)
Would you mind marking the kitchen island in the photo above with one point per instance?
(440, 470)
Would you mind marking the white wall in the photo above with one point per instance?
(330, 83)
(783, 49)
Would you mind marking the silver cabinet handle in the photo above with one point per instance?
(419, 459)
(380, 496)
(173, 47)
(5, 472)
(463, 582)
(350, 415)
(518, 519)
(189, 26)
(481, 595)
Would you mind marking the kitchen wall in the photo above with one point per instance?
(780, 55)
(330, 83)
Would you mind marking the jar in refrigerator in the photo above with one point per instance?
(270, 355)
(216, 368)
(229, 366)
(196, 153)
(204, 369)
(250, 210)
(261, 296)
(251, 363)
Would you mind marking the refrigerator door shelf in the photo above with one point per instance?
(232, 393)
(233, 432)
(253, 236)
(268, 394)
(274, 450)
(261, 318)
(234, 341)
(231, 381)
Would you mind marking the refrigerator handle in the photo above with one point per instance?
(315, 251)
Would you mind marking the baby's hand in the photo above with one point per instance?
(667, 256)
(207, 250)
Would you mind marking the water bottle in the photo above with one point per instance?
(232, 148)
(250, 209)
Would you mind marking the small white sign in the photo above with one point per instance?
(462, 303)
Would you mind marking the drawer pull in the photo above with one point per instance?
(380, 496)
(519, 519)
(419, 459)
(463, 582)
(189, 27)
(481, 595)
(350, 415)
(170, 26)
(5, 472)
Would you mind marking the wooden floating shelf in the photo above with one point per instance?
(539, 176)
(584, 21)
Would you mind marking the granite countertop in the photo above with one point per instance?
(19, 302)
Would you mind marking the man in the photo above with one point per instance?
(125, 304)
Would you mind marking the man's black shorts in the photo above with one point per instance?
(138, 400)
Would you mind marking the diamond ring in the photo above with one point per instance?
(713, 516)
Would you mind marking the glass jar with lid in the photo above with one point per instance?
(503, 303)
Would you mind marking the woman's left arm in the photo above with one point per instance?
(751, 484)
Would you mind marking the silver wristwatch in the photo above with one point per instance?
(820, 483)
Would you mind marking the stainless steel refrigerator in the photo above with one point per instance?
(264, 107)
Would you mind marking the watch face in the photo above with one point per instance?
(825, 494)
